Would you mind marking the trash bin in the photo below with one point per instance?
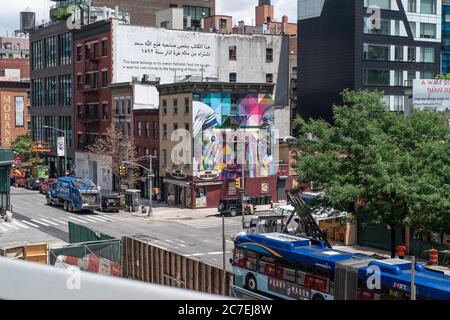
(132, 199)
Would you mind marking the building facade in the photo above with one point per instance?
(445, 60)
(201, 153)
(14, 114)
(380, 50)
(51, 91)
(143, 12)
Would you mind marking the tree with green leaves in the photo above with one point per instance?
(21, 146)
(396, 168)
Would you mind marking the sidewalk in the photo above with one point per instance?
(371, 251)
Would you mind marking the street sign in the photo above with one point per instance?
(61, 147)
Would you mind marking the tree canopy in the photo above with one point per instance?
(21, 145)
(396, 167)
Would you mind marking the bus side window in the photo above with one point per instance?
(289, 274)
(239, 257)
(251, 260)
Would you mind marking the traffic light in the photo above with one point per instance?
(238, 183)
(122, 171)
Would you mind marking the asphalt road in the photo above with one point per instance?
(37, 222)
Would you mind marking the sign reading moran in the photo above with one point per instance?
(166, 53)
(431, 94)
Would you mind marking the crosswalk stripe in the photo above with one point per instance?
(31, 224)
(45, 220)
(108, 218)
(17, 223)
(98, 219)
(40, 222)
(10, 226)
(78, 220)
(1, 228)
(117, 218)
(88, 219)
(60, 221)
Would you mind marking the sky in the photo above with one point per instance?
(239, 9)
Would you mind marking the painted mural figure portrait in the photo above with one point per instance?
(204, 125)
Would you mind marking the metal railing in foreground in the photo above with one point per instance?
(22, 280)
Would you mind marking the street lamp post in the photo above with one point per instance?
(149, 176)
(65, 146)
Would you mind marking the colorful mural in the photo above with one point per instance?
(221, 124)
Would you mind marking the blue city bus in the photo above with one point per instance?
(283, 266)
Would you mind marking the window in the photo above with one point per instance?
(105, 113)
(147, 129)
(104, 48)
(193, 16)
(233, 77)
(79, 82)
(50, 92)
(175, 106)
(65, 48)
(384, 28)
(427, 75)
(2, 72)
(376, 77)
(164, 131)
(50, 52)
(413, 26)
(164, 157)
(37, 54)
(95, 83)
(410, 77)
(412, 6)
(232, 53)
(154, 129)
(105, 79)
(411, 54)
(186, 126)
(164, 107)
(398, 78)
(428, 6)
(428, 30)
(427, 55)
(186, 105)
(79, 53)
(65, 90)
(382, 4)
(376, 52)
(128, 101)
(269, 78)
(398, 103)
(398, 53)
(139, 128)
(269, 55)
(37, 92)
(19, 109)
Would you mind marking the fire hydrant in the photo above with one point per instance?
(434, 257)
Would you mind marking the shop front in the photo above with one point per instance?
(207, 194)
(178, 193)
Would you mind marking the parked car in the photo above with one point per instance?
(110, 203)
(45, 186)
(232, 206)
(34, 183)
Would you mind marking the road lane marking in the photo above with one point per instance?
(17, 223)
(95, 218)
(60, 221)
(78, 220)
(45, 220)
(10, 226)
(215, 253)
(31, 224)
(88, 219)
(5, 230)
(195, 255)
(40, 222)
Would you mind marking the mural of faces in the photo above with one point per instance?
(217, 116)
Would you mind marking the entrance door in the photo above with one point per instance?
(282, 190)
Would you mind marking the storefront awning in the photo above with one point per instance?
(177, 182)
(208, 183)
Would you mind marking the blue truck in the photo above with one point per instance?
(74, 194)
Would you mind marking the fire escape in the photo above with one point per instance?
(88, 113)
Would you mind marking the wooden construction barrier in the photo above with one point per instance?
(150, 263)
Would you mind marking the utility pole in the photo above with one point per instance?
(150, 182)
(413, 280)
(224, 253)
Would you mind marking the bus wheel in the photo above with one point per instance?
(70, 207)
(65, 206)
(318, 297)
(250, 283)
